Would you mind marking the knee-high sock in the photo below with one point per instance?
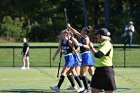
(85, 82)
(70, 77)
(80, 77)
(78, 81)
(89, 81)
(61, 81)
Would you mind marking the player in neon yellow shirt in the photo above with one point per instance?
(103, 77)
(106, 48)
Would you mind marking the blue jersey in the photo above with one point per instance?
(66, 47)
(67, 51)
(76, 61)
(87, 57)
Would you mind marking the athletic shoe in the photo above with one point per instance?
(88, 85)
(85, 91)
(28, 67)
(55, 88)
(80, 89)
(101, 90)
(23, 67)
(72, 88)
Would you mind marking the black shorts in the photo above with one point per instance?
(103, 78)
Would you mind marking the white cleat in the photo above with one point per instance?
(23, 67)
(85, 91)
(81, 89)
(28, 68)
(55, 88)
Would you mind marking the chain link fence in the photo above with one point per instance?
(40, 56)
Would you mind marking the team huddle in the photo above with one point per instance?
(79, 59)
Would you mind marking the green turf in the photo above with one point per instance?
(42, 56)
(39, 80)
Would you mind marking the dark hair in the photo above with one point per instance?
(88, 29)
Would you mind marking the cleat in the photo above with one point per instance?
(81, 89)
(23, 67)
(85, 91)
(72, 88)
(101, 90)
(55, 88)
(28, 67)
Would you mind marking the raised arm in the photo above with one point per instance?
(97, 54)
(86, 41)
(92, 48)
(75, 52)
(74, 30)
(76, 43)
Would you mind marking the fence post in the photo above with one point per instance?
(124, 57)
(13, 57)
(50, 57)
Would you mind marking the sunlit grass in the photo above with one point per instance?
(39, 80)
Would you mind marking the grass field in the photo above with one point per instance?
(42, 57)
(39, 80)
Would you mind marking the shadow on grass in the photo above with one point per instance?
(26, 91)
(33, 91)
(49, 91)
(123, 89)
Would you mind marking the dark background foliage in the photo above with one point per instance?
(43, 20)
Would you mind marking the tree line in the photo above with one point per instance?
(43, 20)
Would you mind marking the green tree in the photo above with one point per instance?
(11, 28)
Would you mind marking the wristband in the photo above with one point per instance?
(80, 44)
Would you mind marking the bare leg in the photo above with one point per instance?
(23, 62)
(84, 69)
(28, 63)
(65, 70)
(91, 70)
(77, 69)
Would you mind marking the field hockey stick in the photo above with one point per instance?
(78, 57)
(66, 18)
(59, 62)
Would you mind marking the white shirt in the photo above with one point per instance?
(131, 27)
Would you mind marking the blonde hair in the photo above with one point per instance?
(71, 34)
(65, 31)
